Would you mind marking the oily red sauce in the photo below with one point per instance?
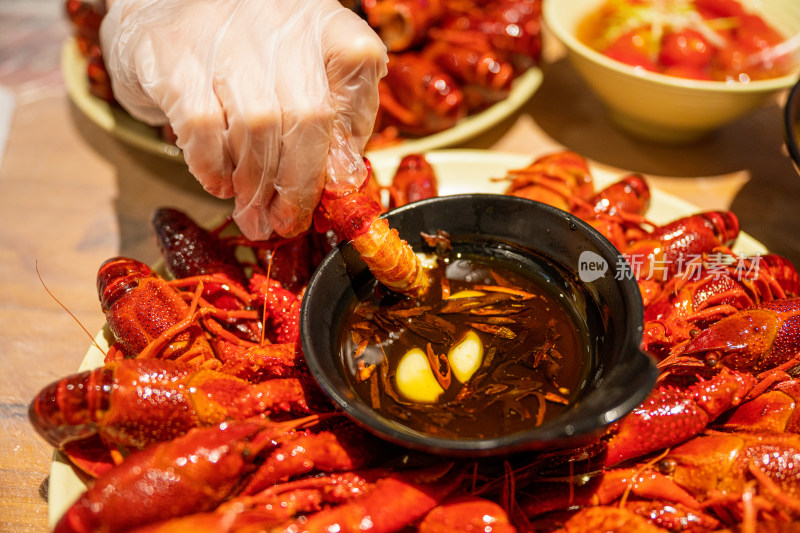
(698, 39)
(535, 351)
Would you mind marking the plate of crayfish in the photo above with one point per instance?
(199, 414)
(456, 69)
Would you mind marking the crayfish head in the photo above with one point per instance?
(655, 339)
(725, 225)
(738, 341)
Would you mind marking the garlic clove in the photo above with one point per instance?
(415, 379)
(466, 356)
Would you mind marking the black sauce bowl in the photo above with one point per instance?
(791, 125)
(560, 247)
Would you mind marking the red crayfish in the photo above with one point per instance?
(707, 449)
(213, 422)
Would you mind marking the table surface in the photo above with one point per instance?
(72, 196)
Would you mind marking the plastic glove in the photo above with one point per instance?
(270, 99)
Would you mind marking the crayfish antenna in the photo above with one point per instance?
(64, 307)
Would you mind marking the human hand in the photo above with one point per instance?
(270, 100)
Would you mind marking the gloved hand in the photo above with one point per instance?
(270, 99)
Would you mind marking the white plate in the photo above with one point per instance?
(458, 171)
(129, 130)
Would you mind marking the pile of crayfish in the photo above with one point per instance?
(204, 416)
(447, 58)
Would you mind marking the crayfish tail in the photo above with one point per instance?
(390, 259)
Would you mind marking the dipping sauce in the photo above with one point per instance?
(698, 39)
(487, 352)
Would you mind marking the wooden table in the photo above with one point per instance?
(71, 196)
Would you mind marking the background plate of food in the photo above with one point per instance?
(456, 69)
(115, 120)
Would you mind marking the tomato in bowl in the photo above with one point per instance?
(718, 40)
(660, 81)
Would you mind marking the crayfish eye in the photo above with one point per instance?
(712, 359)
(694, 333)
(667, 466)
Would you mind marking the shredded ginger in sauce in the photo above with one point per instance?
(487, 352)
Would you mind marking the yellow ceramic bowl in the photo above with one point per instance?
(664, 108)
